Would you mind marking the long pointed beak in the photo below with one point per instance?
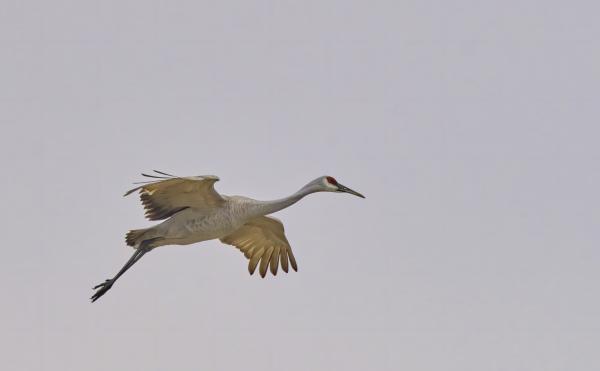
(343, 188)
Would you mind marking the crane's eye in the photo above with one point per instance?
(331, 180)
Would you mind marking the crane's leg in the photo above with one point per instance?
(137, 255)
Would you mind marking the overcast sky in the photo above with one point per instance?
(471, 126)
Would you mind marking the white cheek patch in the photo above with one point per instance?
(329, 185)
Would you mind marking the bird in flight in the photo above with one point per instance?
(193, 212)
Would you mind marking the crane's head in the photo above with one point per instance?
(329, 184)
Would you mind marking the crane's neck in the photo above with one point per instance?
(269, 207)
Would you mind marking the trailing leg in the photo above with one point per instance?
(137, 255)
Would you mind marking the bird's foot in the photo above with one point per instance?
(102, 289)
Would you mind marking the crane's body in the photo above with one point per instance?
(194, 225)
(194, 212)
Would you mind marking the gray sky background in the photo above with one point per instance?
(471, 127)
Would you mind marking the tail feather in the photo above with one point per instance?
(134, 236)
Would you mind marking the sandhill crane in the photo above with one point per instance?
(195, 212)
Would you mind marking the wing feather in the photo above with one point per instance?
(292, 260)
(264, 261)
(255, 259)
(164, 198)
(284, 260)
(275, 260)
(262, 240)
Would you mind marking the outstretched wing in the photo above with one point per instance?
(263, 240)
(163, 198)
